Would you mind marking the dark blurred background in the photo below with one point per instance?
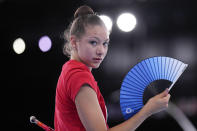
(164, 28)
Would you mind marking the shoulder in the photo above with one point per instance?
(75, 66)
(76, 75)
(77, 70)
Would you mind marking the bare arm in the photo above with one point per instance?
(154, 105)
(93, 120)
(89, 110)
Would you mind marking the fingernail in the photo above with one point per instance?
(167, 89)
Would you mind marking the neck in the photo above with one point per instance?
(72, 57)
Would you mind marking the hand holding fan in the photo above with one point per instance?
(146, 79)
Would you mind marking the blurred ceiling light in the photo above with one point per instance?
(126, 22)
(45, 43)
(19, 46)
(108, 22)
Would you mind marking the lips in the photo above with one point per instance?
(97, 59)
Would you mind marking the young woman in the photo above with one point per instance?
(79, 104)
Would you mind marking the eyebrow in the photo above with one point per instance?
(98, 38)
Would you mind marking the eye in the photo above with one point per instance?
(106, 43)
(93, 42)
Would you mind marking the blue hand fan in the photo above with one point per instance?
(146, 79)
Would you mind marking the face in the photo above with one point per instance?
(92, 47)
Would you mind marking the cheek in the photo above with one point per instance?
(106, 51)
(85, 52)
(90, 52)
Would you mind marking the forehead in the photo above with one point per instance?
(97, 30)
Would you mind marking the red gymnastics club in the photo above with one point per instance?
(40, 124)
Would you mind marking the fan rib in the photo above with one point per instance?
(139, 92)
(170, 71)
(125, 100)
(160, 61)
(131, 87)
(133, 107)
(129, 74)
(124, 104)
(177, 71)
(130, 82)
(160, 72)
(152, 68)
(156, 66)
(151, 79)
(149, 69)
(144, 73)
(164, 58)
(140, 75)
(174, 70)
(167, 71)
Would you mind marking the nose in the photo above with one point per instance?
(100, 50)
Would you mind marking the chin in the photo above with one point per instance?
(95, 66)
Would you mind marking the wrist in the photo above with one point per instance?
(146, 111)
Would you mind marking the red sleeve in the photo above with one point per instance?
(77, 80)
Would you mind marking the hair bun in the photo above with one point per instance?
(83, 10)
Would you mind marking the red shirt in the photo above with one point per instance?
(73, 76)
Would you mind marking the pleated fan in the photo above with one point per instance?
(146, 79)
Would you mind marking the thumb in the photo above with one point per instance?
(164, 93)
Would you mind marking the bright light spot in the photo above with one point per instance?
(45, 43)
(107, 21)
(126, 22)
(19, 46)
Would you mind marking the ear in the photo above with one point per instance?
(73, 42)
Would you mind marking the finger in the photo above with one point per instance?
(164, 93)
(166, 98)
